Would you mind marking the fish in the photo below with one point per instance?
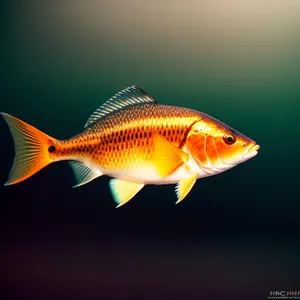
(137, 142)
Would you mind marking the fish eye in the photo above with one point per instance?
(229, 139)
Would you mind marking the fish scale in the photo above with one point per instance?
(124, 139)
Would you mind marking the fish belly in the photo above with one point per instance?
(149, 175)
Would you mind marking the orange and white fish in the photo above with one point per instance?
(137, 142)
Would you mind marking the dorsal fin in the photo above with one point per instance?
(130, 96)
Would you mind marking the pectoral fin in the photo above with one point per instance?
(123, 191)
(166, 156)
(184, 187)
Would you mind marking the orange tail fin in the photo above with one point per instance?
(31, 149)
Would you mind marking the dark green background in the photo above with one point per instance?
(237, 232)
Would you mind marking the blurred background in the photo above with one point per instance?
(236, 233)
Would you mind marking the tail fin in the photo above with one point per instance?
(31, 149)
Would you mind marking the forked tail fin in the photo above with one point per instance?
(31, 149)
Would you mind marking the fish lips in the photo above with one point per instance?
(250, 152)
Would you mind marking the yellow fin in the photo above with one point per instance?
(166, 156)
(123, 191)
(31, 149)
(184, 187)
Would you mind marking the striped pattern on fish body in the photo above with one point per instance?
(122, 145)
(136, 141)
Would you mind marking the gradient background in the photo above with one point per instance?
(236, 233)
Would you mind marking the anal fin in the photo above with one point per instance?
(123, 190)
(184, 187)
(166, 156)
(83, 174)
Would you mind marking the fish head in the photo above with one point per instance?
(218, 147)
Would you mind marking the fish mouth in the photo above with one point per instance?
(253, 148)
(250, 152)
